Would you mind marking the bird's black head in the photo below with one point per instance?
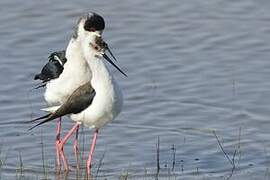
(90, 24)
(94, 22)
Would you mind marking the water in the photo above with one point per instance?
(193, 66)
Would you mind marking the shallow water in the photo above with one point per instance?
(194, 67)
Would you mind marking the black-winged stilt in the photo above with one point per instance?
(62, 75)
(95, 103)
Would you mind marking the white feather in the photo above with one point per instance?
(51, 109)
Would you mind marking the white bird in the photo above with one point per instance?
(95, 103)
(61, 83)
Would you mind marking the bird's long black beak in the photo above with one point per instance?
(112, 63)
(109, 50)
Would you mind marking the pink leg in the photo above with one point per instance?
(63, 156)
(63, 142)
(57, 141)
(76, 148)
(88, 164)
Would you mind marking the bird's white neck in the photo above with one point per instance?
(101, 77)
(76, 65)
(108, 97)
(74, 50)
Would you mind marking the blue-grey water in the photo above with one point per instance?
(194, 67)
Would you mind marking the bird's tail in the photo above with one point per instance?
(39, 118)
(46, 118)
(38, 76)
(40, 86)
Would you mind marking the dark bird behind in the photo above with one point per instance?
(53, 68)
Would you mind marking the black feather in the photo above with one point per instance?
(94, 23)
(53, 68)
(40, 86)
(42, 122)
(42, 117)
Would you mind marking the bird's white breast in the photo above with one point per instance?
(107, 103)
(76, 72)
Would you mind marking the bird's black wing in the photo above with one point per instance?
(79, 100)
(53, 68)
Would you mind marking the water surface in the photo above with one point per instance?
(193, 66)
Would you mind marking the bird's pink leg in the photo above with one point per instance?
(76, 148)
(63, 156)
(63, 142)
(88, 164)
(57, 141)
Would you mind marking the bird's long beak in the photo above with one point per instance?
(109, 50)
(112, 63)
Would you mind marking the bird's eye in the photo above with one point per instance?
(92, 29)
